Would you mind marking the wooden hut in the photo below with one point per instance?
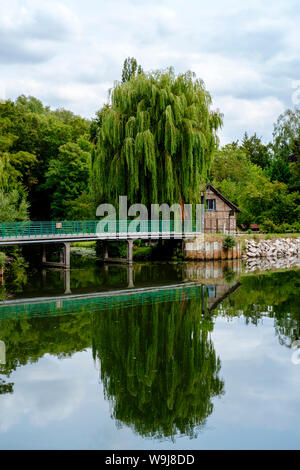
(220, 213)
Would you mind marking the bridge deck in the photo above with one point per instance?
(88, 230)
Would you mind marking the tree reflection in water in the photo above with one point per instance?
(159, 367)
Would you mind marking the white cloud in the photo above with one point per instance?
(261, 382)
(69, 53)
(223, 74)
(248, 115)
(48, 391)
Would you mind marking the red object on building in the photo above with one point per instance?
(254, 227)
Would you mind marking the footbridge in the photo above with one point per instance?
(66, 232)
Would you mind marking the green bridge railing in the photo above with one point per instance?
(60, 307)
(94, 227)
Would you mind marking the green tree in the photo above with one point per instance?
(30, 136)
(248, 186)
(67, 176)
(286, 131)
(130, 69)
(295, 166)
(156, 140)
(31, 104)
(258, 153)
(13, 206)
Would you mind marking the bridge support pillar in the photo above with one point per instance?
(105, 250)
(44, 255)
(67, 282)
(129, 251)
(67, 251)
(64, 256)
(130, 276)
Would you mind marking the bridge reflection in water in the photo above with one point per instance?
(43, 307)
(210, 288)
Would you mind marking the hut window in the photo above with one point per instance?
(231, 213)
(211, 204)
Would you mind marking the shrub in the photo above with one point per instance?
(268, 226)
(143, 253)
(229, 242)
(296, 227)
(286, 228)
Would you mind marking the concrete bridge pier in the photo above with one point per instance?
(128, 259)
(67, 252)
(105, 251)
(130, 276)
(64, 256)
(44, 255)
(129, 251)
(68, 281)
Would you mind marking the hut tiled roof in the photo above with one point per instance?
(220, 195)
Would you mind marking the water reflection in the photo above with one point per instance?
(158, 363)
(159, 367)
(272, 294)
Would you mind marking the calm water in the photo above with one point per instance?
(212, 366)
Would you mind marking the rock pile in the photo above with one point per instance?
(277, 248)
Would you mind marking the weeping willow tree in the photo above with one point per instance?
(155, 140)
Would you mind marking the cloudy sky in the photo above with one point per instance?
(68, 52)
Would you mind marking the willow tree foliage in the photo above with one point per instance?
(155, 140)
(159, 368)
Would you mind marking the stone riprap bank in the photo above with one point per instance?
(272, 248)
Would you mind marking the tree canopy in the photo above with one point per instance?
(130, 69)
(155, 140)
(31, 136)
(248, 185)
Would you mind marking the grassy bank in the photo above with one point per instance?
(250, 236)
(85, 244)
